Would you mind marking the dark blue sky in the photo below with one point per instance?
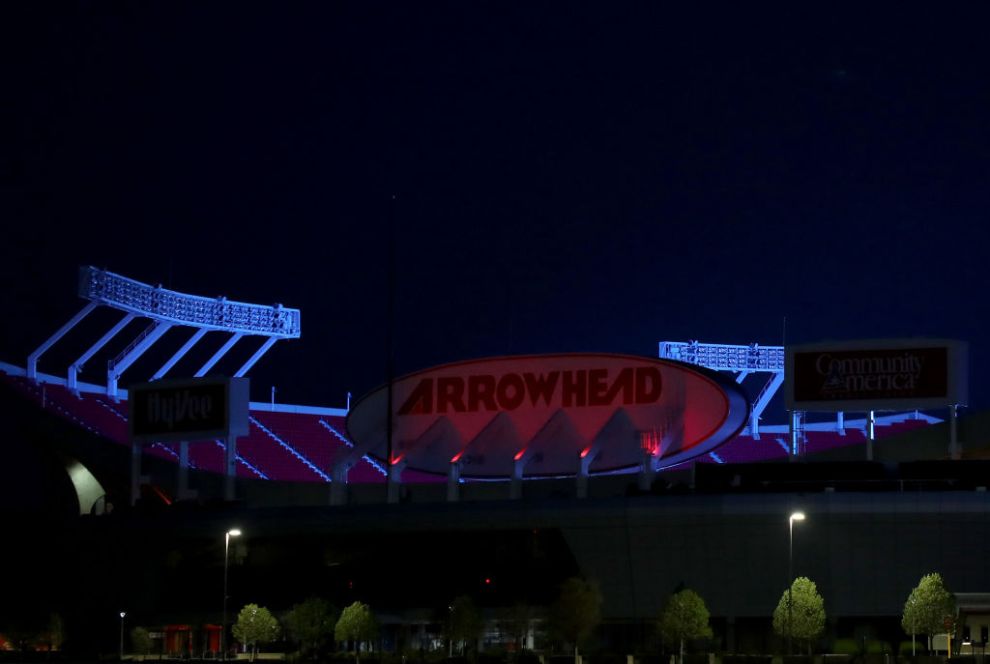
(570, 176)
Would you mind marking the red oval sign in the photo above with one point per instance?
(545, 415)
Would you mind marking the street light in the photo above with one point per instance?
(796, 516)
(233, 532)
(122, 614)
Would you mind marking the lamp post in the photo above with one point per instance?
(796, 516)
(233, 532)
(122, 615)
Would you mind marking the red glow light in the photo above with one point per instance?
(519, 454)
(457, 457)
(488, 581)
(585, 451)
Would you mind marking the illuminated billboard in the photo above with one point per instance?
(189, 409)
(551, 411)
(891, 374)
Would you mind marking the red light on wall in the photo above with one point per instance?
(457, 457)
(585, 452)
(397, 459)
(519, 454)
(650, 442)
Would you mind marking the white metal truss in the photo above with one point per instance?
(166, 309)
(738, 359)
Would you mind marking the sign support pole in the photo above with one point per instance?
(955, 450)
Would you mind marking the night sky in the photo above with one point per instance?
(568, 176)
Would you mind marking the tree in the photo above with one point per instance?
(514, 621)
(808, 614)
(684, 617)
(577, 611)
(311, 624)
(465, 621)
(356, 624)
(927, 607)
(140, 641)
(255, 625)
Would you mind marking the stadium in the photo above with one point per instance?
(475, 498)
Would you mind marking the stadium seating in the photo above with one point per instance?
(302, 447)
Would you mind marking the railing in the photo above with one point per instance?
(271, 434)
(374, 464)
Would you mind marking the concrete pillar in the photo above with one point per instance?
(230, 467)
(395, 481)
(871, 432)
(955, 448)
(338, 483)
(793, 430)
(584, 471)
(183, 469)
(515, 485)
(840, 423)
(647, 471)
(454, 482)
(135, 472)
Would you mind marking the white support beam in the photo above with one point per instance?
(454, 482)
(742, 376)
(519, 463)
(77, 366)
(338, 484)
(871, 433)
(955, 449)
(32, 361)
(257, 356)
(234, 338)
(179, 354)
(585, 460)
(122, 362)
(648, 469)
(840, 423)
(395, 480)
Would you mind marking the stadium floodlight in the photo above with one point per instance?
(739, 359)
(166, 309)
(105, 287)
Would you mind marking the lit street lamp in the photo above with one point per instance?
(233, 532)
(122, 614)
(796, 516)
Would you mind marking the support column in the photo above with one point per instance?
(647, 471)
(338, 485)
(454, 482)
(135, 472)
(871, 432)
(515, 485)
(183, 469)
(792, 426)
(840, 423)
(584, 471)
(229, 467)
(32, 361)
(395, 480)
(955, 449)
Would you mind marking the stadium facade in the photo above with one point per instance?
(715, 521)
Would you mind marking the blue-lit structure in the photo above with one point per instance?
(311, 444)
